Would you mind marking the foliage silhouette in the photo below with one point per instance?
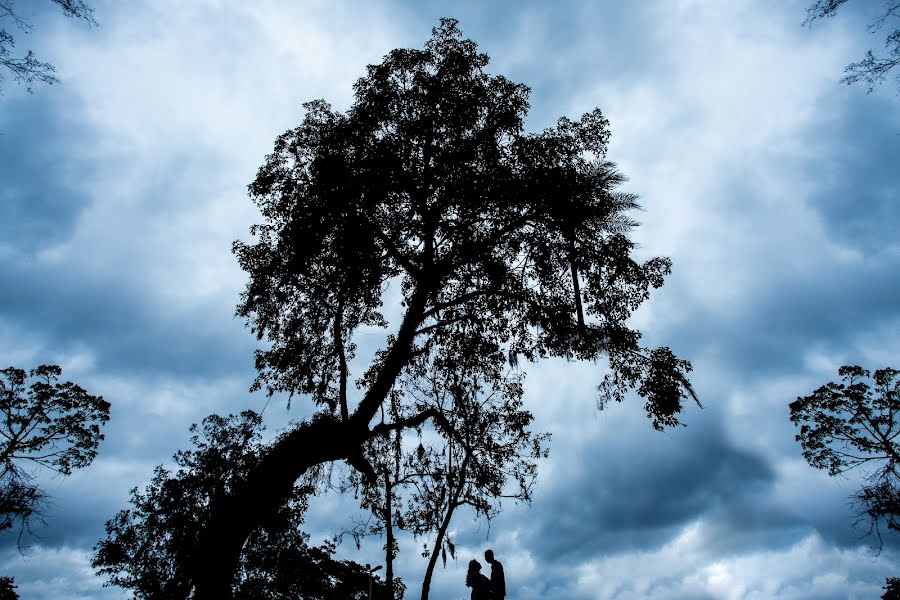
(891, 589)
(486, 446)
(149, 547)
(502, 245)
(395, 469)
(871, 70)
(479, 445)
(43, 424)
(853, 425)
(8, 589)
(28, 69)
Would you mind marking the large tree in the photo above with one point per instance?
(499, 246)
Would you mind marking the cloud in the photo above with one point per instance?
(38, 207)
(770, 186)
(62, 573)
(684, 568)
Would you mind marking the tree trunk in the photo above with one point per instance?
(234, 517)
(452, 503)
(576, 287)
(389, 529)
(432, 560)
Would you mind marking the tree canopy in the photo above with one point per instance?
(854, 424)
(500, 246)
(505, 245)
(43, 424)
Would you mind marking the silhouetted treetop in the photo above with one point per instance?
(515, 241)
(854, 424)
(891, 589)
(44, 424)
(499, 245)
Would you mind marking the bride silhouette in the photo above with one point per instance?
(475, 579)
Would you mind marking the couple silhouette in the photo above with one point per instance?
(482, 587)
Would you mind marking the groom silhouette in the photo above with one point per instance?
(498, 581)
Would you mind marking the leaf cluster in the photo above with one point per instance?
(8, 589)
(47, 424)
(891, 589)
(507, 244)
(854, 424)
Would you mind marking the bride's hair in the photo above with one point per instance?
(474, 569)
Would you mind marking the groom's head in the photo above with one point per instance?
(489, 555)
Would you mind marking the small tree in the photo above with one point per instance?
(872, 69)
(43, 424)
(486, 447)
(854, 424)
(478, 444)
(149, 547)
(850, 425)
(28, 69)
(395, 469)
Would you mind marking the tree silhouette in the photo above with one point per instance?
(149, 547)
(8, 589)
(851, 425)
(43, 424)
(479, 444)
(486, 447)
(396, 468)
(512, 246)
(891, 589)
(871, 69)
(28, 69)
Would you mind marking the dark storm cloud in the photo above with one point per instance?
(49, 176)
(797, 299)
(121, 321)
(859, 197)
(71, 520)
(774, 329)
(638, 494)
(41, 156)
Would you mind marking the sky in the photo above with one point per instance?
(772, 187)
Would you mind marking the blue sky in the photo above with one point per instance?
(773, 188)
